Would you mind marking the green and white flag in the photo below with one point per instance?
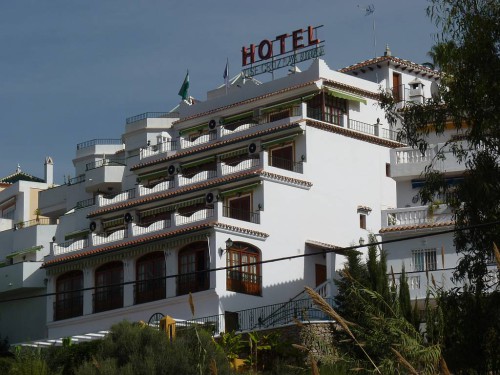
(183, 92)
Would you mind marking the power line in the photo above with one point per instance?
(281, 259)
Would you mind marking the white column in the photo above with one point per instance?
(128, 275)
(171, 269)
(51, 288)
(88, 282)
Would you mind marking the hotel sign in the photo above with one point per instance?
(285, 50)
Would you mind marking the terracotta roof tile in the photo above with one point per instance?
(279, 177)
(251, 100)
(210, 146)
(183, 190)
(395, 60)
(354, 134)
(417, 226)
(145, 240)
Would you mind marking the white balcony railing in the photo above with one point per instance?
(123, 196)
(159, 148)
(70, 246)
(225, 131)
(205, 138)
(243, 165)
(410, 155)
(100, 239)
(162, 186)
(415, 215)
(193, 217)
(199, 177)
(138, 230)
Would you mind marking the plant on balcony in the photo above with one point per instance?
(37, 213)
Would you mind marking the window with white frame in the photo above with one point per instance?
(424, 259)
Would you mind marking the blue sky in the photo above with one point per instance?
(74, 70)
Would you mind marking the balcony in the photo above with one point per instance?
(244, 282)
(69, 246)
(193, 282)
(286, 164)
(101, 239)
(21, 275)
(162, 186)
(104, 175)
(415, 216)
(70, 306)
(106, 200)
(109, 298)
(409, 162)
(157, 149)
(243, 165)
(194, 216)
(198, 177)
(244, 215)
(196, 140)
(139, 230)
(149, 290)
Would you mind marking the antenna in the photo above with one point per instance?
(369, 10)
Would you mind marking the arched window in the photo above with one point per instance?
(108, 293)
(69, 295)
(193, 259)
(244, 275)
(150, 278)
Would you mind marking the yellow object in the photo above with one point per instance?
(167, 325)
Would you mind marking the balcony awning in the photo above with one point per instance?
(77, 234)
(194, 129)
(242, 189)
(198, 162)
(276, 141)
(113, 222)
(234, 153)
(153, 175)
(288, 103)
(237, 117)
(344, 95)
(156, 210)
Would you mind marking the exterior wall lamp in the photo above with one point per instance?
(229, 244)
(361, 241)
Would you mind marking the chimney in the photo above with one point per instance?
(49, 171)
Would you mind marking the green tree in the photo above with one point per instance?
(468, 100)
(466, 109)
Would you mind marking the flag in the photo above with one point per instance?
(226, 74)
(183, 92)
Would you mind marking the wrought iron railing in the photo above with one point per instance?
(286, 164)
(146, 115)
(108, 298)
(95, 142)
(68, 307)
(39, 221)
(149, 290)
(76, 180)
(85, 203)
(234, 213)
(192, 282)
(104, 162)
(362, 127)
